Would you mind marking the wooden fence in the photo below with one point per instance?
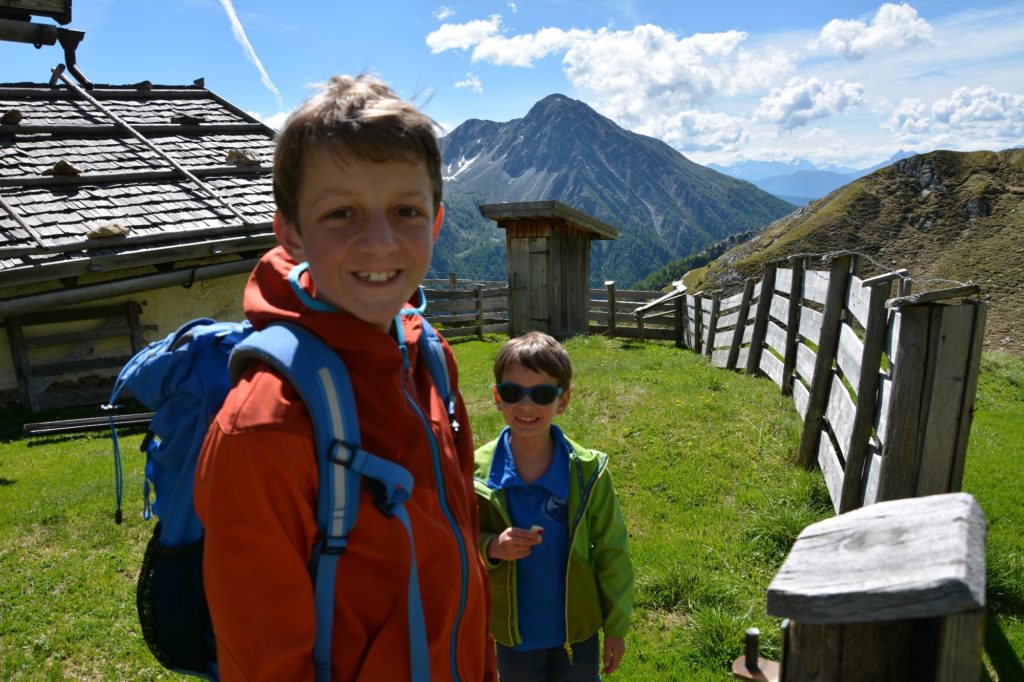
(885, 385)
(463, 307)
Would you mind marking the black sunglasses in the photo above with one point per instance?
(541, 394)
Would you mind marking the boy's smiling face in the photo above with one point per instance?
(527, 419)
(365, 228)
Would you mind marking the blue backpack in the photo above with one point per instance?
(185, 379)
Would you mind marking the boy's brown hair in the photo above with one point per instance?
(359, 115)
(538, 352)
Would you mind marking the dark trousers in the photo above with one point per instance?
(551, 665)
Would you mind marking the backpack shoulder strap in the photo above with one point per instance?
(437, 364)
(322, 380)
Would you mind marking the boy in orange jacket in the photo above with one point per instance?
(357, 183)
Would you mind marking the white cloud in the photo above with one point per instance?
(462, 36)
(909, 121)
(523, 50)
(443, 12)
(472, 81)
(803, 100)
(894, 27)
(275, 121)
(512, 6)
(696, 130)
(997, 114)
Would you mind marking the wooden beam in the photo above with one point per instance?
(828, 343)
(35, 429)
(937, 295)
(158, 129)
(741, 324)
(764, 305)
(131, 176)
(796, 294)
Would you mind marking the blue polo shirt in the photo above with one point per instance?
(540, 577)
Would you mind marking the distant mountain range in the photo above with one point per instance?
(800, 181)
(664, 205)
(946, 217)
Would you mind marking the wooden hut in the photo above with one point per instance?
(548, 264)
(124, 211)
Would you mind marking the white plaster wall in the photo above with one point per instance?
(167, 309)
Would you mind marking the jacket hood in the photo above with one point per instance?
(269, 297)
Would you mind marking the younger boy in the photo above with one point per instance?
(358, 189)
(551, 529)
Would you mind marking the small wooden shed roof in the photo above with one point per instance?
(528, 210)
(121, 177)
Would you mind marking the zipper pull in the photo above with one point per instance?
(568, 651)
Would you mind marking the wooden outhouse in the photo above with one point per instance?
(548, 264)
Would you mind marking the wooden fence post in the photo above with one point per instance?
(933, 391)
(452, 280)
(610, 284)
(891, 591)
(679, 305)
(764, 304)
(828, 343)
(480, 311)
(716, 301)
(741, 324)
(796, 295)
(698, 319)
(875, 328)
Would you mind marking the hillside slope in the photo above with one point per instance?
(664, 205)
(945, 216)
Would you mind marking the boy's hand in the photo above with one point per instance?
(512, 544)
(614, 648)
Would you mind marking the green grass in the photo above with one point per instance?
(702, 459)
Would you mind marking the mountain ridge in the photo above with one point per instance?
(664, 205)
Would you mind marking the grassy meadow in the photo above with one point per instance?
(702, 459)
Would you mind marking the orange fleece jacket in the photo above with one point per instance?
(255, 492)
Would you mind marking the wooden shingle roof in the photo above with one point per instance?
(81, 193)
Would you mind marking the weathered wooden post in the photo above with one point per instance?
(891, 591)
(610, 286)
(867, 389)
(716, 302)
(453, 280)
(828, 343)
(548, 264)
(698, 319)
(741, 325)
(764, 305)
(679, 318)
(935, 378)
(796, 294)
(480, 311)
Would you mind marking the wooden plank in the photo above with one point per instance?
(815, 285)
(970, 392)
(727, 321)
(869, 480)
(826, 352)
(22, 366)
(792, 327)
(934, 296)
(779, 309)
(900, 451)
(840, 414)
(831, 469)
(947, 391)
(760, 319)
(912, 558)
(857, 299)
(783, 280)
(757, 290)
(748, 333)
(741, 325)
(679, 321)
(800, 398)
(720, 358)
(848, 354)
(810, 652)
(805, 359)
(882, 409)
(810, 324)
(772, 366)
(891, 348)
(866, 386)
(961, 641)
(775, 338)
(34, 429)
(731, 302)
(707, 303)
(741, 357)
(92, 364)
(698, 323)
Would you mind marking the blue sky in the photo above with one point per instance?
(846, 83)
